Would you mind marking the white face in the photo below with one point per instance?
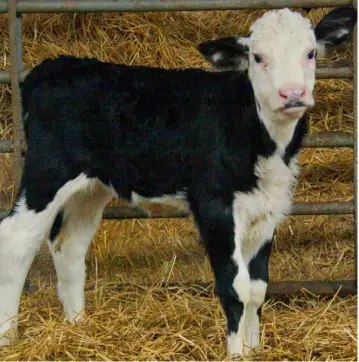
(280, 58)
(282, 64)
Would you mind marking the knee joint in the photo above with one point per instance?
(258, 292)
(242, 285)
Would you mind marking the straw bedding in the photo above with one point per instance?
(151, 323)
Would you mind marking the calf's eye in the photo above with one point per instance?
(311, 54)
(257, 58)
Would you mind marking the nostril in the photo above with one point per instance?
(283, 93)
(302, 93)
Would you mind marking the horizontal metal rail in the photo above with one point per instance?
(5, 76)
(275, 288)
(71, 6)
(325, 208)
(131, 212)
(340, 69)
(321, 139)
(328, 287)
(329, 139)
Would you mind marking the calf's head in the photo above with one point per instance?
(280, 57)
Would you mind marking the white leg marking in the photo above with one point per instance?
(248, 240)
(82, 216)
(261, 231)
(20, 237)
(241, 282)
(248, 335)
(258, 292)
(237, 342)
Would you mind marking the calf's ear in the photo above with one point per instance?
(336, 26)
(226, 53)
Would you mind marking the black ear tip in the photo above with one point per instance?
(337, 25)
(205, 45)
(345, 11)
(204, 48)
(201, 47)
(354, 13)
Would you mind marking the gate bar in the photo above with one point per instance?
(132, 212)
(339, 69)
(71, 6)
(317, 140)
(275, 288)
(14, 21)
(355, 89)
(322, 208)
(328, 139)
(333, 70)
(327, 287)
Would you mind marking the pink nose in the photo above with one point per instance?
(292, 92)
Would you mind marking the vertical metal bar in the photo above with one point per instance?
(19, 62)
(355, 84)
(15, 67)
(18, 40)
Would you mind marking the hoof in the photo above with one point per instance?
(74, 318)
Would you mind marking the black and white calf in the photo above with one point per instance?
(223, 144)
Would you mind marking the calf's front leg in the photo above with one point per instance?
(259, 276)
(232, 279)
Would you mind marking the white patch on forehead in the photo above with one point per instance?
(279, 26)
(277, 21)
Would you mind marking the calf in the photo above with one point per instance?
(222, 144)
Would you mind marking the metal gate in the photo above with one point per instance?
(342, 69)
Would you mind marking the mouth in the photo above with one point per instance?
(294, 107)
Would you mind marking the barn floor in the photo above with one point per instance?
(149, 323)
(145, 323)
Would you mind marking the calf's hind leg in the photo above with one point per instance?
(21, 234)
(70, 237)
